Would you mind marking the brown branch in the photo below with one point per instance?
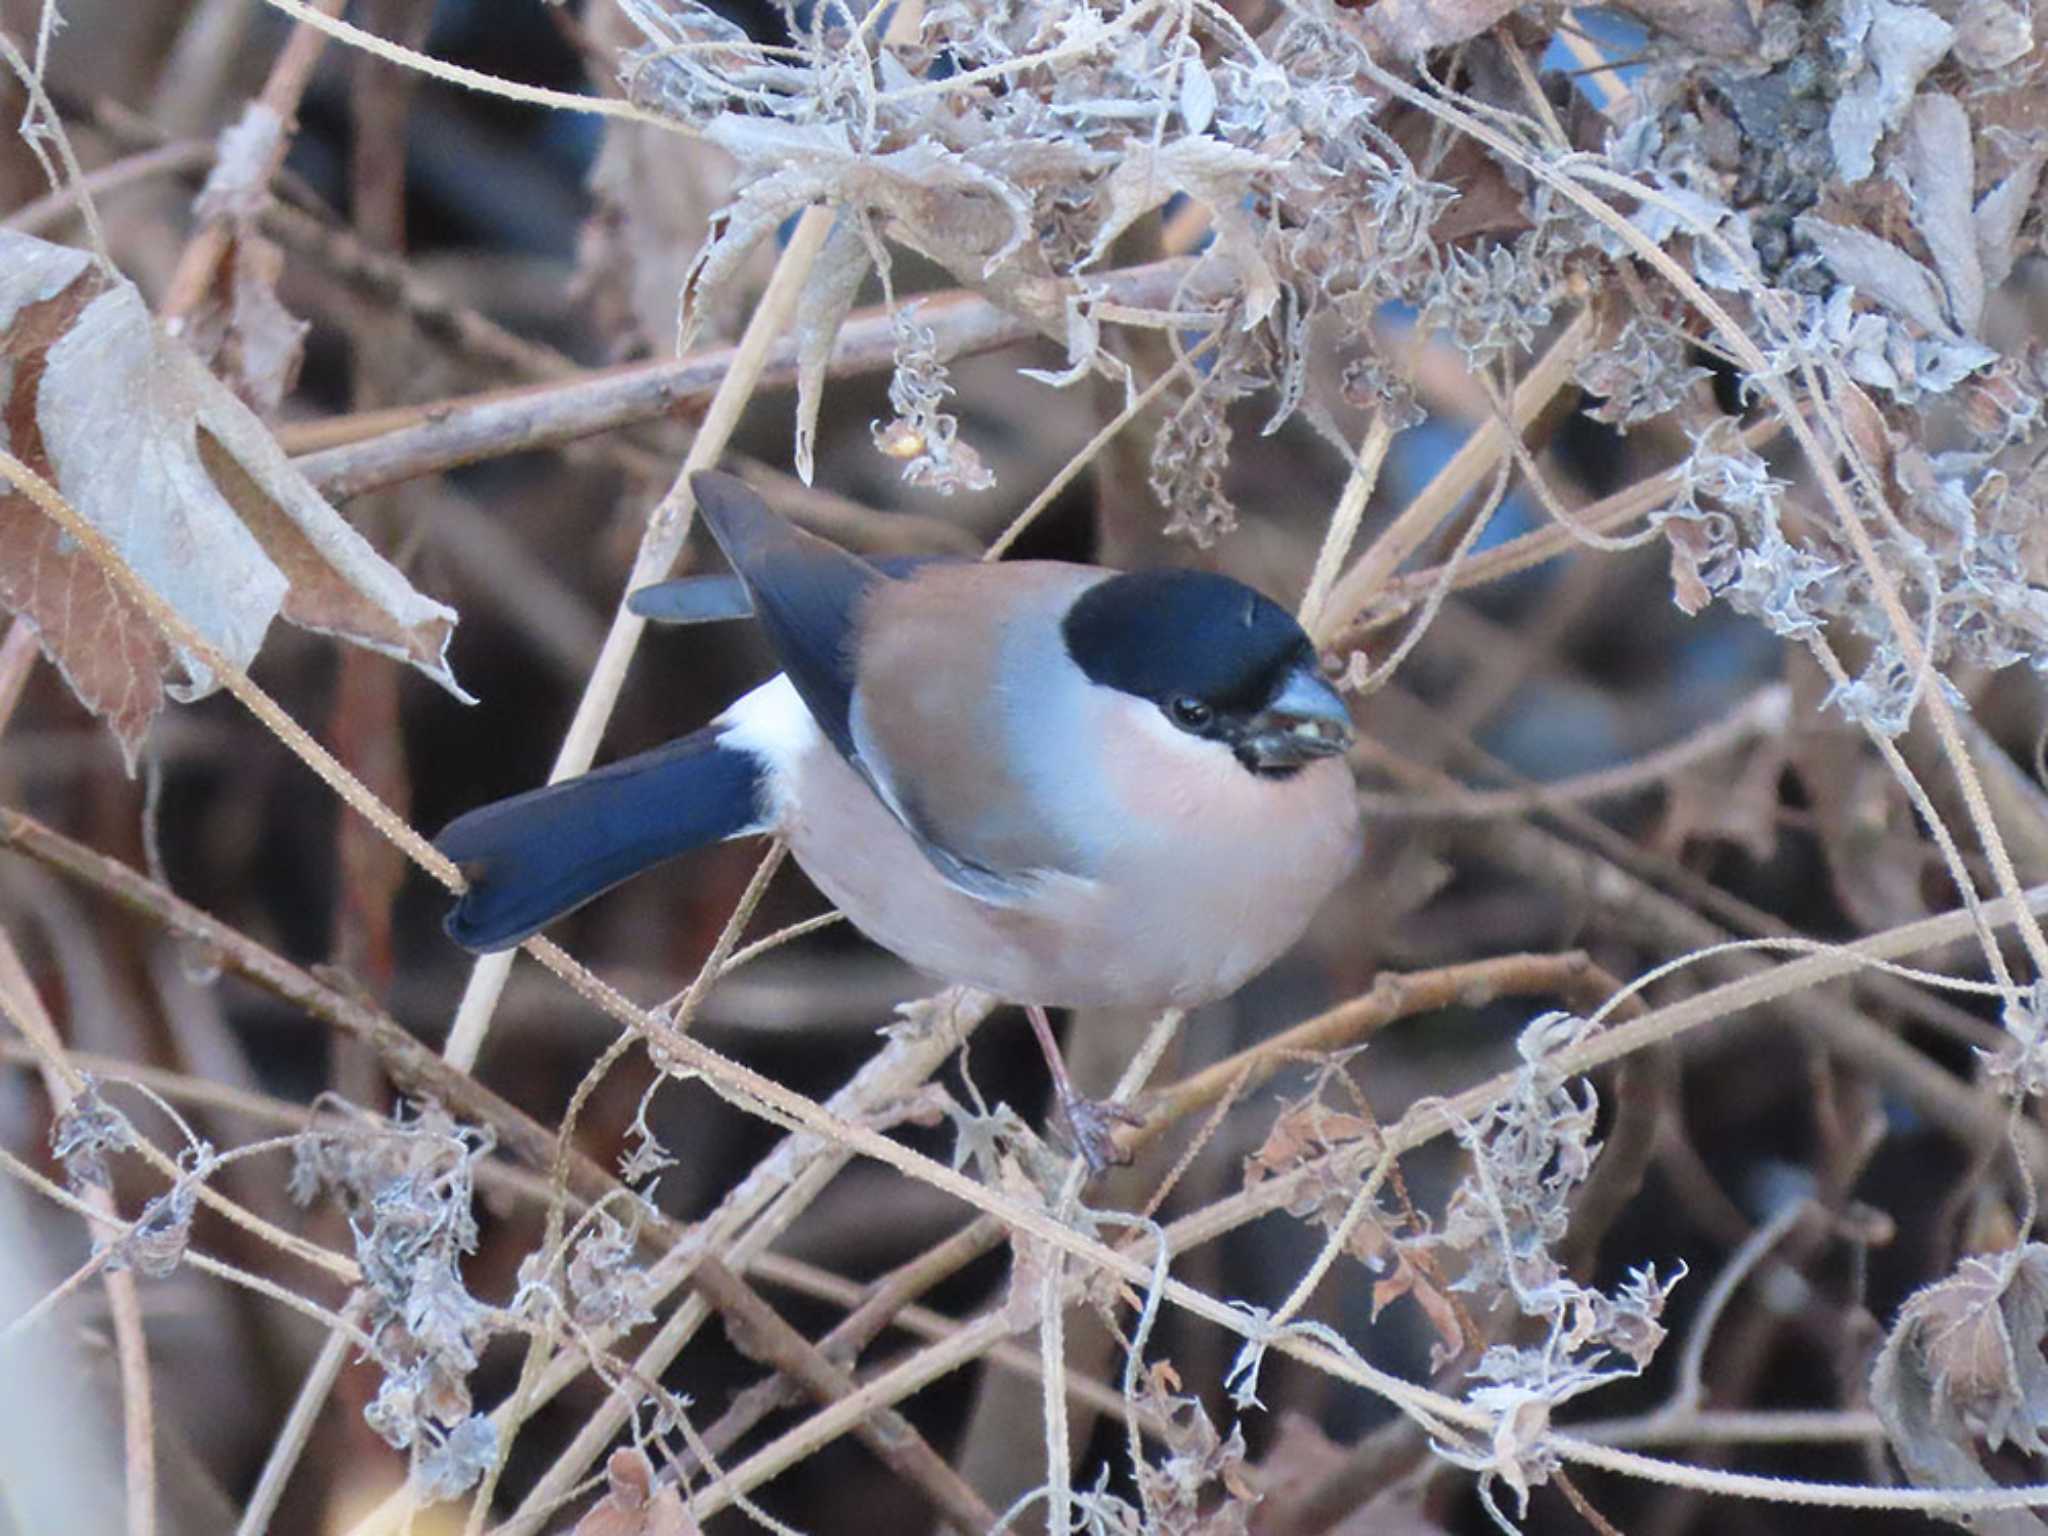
(1637, 909)
(1601, 1525)
(387, 447)
(124, 1303)
(1370, 574)
(888, 1297)
(17, 660)
(420, 1070)
(1400, 594)
(172, 159)
(199, 263)
(1572, 977)
(759, 1332)
(1767, 712)
(414, 1067)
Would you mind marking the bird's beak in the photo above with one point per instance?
(1306, 720)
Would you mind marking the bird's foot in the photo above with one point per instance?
(1092, 1123)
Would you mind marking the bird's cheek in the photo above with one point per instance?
(1158, 776)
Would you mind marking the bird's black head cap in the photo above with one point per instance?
(1171, 635)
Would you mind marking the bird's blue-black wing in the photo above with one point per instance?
(807, 594)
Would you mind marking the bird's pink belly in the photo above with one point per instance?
(1156, 939)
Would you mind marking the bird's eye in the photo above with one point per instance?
(1189, 712)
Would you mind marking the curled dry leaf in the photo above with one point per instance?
(1991, 34)
(1407, 29)
(1890, 48)
(1963, 1364)
(240, 328)
(653, 194)
(1940, 170)
(834, 282)
(634, 1503)
(1410, 1279)
(186, 484)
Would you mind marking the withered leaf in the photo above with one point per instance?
(1897, 46)
(635, 1504)
(240, 329)
(187, 485)
(653, 194)
(1941, 170)
(1964, 1363)
(834, 282)
(1408, 1280)
(1991, 34)
(1997, 219)
(1879, 270)
(1212, 173)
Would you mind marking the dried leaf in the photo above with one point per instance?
(834, 282)
(454, 1465)
(1990, 34)
(1691, 550)
(1878, 270)
(935, 192)
(1963, 1362)
(240, 329)
(1899, 44)
(1997, 219)
(84, 1132)
(157, 1244)
(634, 1503)
(653, 195)
(1304, 1132)
(192, 491)
(1215, 174)
(243, 332)
(1197, 94)
(1941, 173)
(1409, 1280)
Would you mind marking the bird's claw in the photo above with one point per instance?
(1092, 1123)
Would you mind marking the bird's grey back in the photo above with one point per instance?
(1002, 783)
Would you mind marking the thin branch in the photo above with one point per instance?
(271, 115)
(1767, 712)
(1402, 592)
(24, 1006)
(390, 447)
(471, 79)
(173, 159)
(1344, 521)
(1483, 450)
(307, 1406)
(761, 1333)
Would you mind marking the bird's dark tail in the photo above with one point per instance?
(536, 856)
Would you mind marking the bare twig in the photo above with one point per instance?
(424, 440)
(174, 159)
(1485, 448)
(270, 115)
(25, 1008)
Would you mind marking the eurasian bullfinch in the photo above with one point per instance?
(1069, 786)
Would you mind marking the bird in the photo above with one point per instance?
(1067, 785)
